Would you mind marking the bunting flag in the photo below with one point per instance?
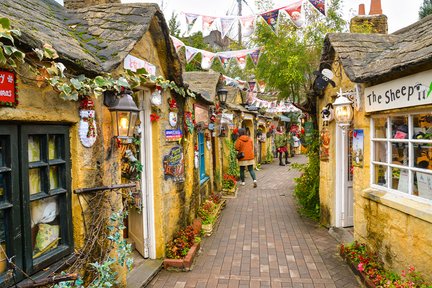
(224, 60)
(190, 21)
(252, 86)
(319, 5)
(191, 53)
(262, 86)
(255, 56)
(241, 61)
(207, 59)
(226, 23)
(247, 25)
(177, 43)
(271, 18)
(294, 11)
(207, 23)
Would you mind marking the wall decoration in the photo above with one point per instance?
(201, 114)
(327, 113)
(172, 118)
(324, 77)
(156, 96)
(189, 122)
(173, 165)
(8, 89)
(172, 104)
(154, 117)
(358, 149)
(87, 125)
(324, 144)
(173, 135)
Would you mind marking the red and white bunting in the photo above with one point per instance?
(262, 86)
(294, 11)
(255, 55)
(247, 25)
(190, 20)
(177, 43)
(207, 59)
(271, 18)
(241, 61)
(252, 86)
(319, 5)
(226, 24)
(207, 24)
(191, 53)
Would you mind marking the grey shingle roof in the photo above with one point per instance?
(375, 57)
(204, 83)
(96, 38)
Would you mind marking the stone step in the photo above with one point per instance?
(144, 273)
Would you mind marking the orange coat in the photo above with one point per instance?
(245, 144)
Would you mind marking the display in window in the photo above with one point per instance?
(45, 225)
(357, 148)
(380, 151)
(34, 181)
(3, 255)
(400, 154)
(399, 127)
(400, 179)
(424, 185)
(34, 149)
(380, 127)
(52, 149)
(423, 155)
(380, 175)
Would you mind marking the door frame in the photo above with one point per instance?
(341, 177)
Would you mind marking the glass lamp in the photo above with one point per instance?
(343, 111)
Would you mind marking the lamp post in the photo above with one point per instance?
(222, 96)
(124, 113)
(343, 111)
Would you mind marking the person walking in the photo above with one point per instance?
(281, 143)
(245, 144)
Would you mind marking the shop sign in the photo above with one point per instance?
(173, 135)
(227, 118)
(133, 63)
(248, 117)
(408, 91)
(7, 88)
(173, 165)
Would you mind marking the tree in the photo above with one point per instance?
(174, 25)
(291, 56)
(425, 9)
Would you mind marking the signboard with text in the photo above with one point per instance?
(408, 91)
(7, 88)
(173, 135)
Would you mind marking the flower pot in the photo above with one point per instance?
(184, 264)
(230, 193)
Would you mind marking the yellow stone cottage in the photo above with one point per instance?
(375, 175)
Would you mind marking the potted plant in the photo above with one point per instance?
(209, 213)
(229, 184)
(181, 251)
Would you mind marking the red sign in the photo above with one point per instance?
(7, 88)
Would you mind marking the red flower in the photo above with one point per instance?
(154, 117)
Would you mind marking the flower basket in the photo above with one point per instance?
(184, 264)
(212, 219)
(230, 193)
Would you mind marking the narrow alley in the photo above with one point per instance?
(261, 241)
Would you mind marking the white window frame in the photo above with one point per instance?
(411, 167)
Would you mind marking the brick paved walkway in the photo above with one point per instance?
(262, 242)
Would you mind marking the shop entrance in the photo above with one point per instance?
(141, 228)
(344, 178)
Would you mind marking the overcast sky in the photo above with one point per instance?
(400, 13)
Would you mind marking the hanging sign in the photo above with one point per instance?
(173, 165)
(7, 89)
(357, 148)
(227, 118)
(413, 90)
(173, 135)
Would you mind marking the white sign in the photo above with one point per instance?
(133, 63)
(226, 118)
(408, 91)
(424, 185)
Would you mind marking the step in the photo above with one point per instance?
(144, 273)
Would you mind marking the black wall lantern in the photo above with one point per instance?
(124, 113)
(222, 96)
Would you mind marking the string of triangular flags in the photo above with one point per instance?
(224, 57)
(224, 24)
(273, 106)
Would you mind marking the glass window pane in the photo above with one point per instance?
(399, 127)
(400, 153)
(123, 123)
(54, 176)
(35, 181)
(422, 126)
(380, 151)
(423, 155)
(380, 177)
(2, 151)
(45, 225)
(380, 127)
(3, 260)
(52, 147)
(34, 153)
(423, 187)
(400, 179)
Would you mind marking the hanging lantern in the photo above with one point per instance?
(343, 112)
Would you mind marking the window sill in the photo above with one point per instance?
(204, 180)
(401, 203)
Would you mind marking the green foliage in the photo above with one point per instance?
(9, 53)
(233, 167)
(183, 240)
(269, 156)
(229, 182)
(306, 190)
(425, 9)
(206, 212)
(174, 25)
(290, 57)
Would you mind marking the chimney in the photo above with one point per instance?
(361, 10)
(77, 4)
(375, 8)
(375, 22)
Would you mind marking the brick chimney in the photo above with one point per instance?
(375, 22)
(77, 4)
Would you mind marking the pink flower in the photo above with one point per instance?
(360, 267)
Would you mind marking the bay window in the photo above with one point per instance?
(401, 150)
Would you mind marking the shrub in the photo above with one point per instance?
(182, 242)
(228, 182)
(206, 212)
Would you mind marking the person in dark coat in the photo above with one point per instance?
(245, 144)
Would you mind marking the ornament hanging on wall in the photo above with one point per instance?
(87, 126)
(156, 97)
(172, 117)
(189, 122)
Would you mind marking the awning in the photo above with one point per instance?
(285, 119)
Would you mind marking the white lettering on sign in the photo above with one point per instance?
(2, 78)
(133, 63)
(408, 91)
(6, 93)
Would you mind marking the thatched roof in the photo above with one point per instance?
(204, 83)
(378, 57)
(95, 39)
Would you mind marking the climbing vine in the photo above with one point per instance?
(233, 167)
